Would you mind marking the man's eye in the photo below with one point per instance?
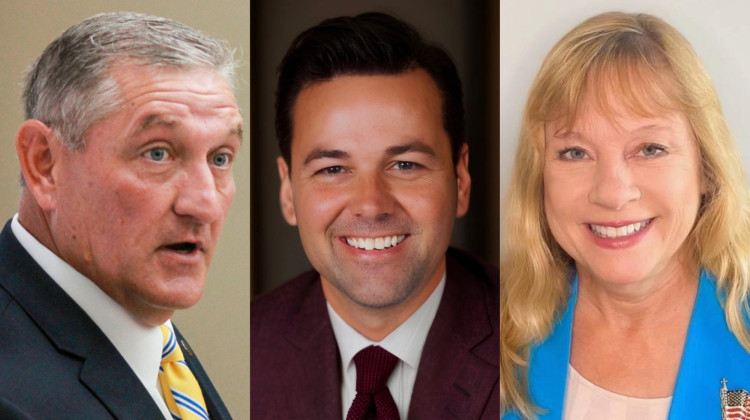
(158, 154)
(331, 170)
(572, 153)
(405, 166)
(221, 160)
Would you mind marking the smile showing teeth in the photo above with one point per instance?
(369, 244)
(618, 232)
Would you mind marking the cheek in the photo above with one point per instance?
(683, 198)
(557, 198)
(317, 207)
(226, 195)
(565, 199)
(432, 203)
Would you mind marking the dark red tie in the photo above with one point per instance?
(373, 401)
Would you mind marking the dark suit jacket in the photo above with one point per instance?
(55, 363)
(294, 360)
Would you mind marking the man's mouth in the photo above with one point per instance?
(379, 243)
(620, 231)
(183, 247)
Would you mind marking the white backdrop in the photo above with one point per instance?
(719, 31)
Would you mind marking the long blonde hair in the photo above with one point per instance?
(650, 66)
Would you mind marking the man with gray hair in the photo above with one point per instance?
(126, 153)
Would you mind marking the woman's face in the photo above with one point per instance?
(622, 193)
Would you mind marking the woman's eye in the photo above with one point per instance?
(653, 149)
(158, 154)
(221, 159)
(572, 153)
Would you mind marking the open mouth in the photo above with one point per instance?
(182, 247)
(377, 243)
(611, 232)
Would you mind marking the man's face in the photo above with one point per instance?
(139, 210)
(373, 187)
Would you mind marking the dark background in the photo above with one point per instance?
(469, 30)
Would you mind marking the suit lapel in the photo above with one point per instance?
(214, 404)
(103, 371)
(711, 353)
(548, 373)
(316, 364)
(459, 367)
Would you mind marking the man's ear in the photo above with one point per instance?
(38, 150)
(463, 180)
(285, 192)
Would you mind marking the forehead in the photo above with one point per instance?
(620, 87)
(592, 118)
(208, 85)
(368, 106)
(162, 96)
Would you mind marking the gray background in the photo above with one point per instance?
(468, 29)
(218, 326)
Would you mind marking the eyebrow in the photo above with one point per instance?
(572, 134)
(415, 146)
(325, 153)
(237, 131)
(154, 120)
(654, 127)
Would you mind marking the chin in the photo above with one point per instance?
(176, 294)
(617, 275)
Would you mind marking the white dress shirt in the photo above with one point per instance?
(405, 342)
(140, 345)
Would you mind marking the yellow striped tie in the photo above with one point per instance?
(181, 391)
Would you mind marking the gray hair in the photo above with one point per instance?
(70, 87)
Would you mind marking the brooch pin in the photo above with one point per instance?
(734, 404)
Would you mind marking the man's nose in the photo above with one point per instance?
(614, 185)
(371, 197)
(200, 197)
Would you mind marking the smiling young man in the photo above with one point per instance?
(126, 160)
(374, 170)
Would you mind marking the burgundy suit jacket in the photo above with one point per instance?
(295, 366)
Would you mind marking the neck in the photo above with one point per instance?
(376, 323)
(657, 299)
(36, 221)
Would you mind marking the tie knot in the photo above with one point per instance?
(374, 366)
(170, 351)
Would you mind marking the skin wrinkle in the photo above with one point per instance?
(115, 231)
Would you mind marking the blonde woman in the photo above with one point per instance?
(626, 264)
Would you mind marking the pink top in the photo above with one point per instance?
(586, 401)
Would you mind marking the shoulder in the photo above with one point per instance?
(470, 271)
(281, 308)
(285, 297)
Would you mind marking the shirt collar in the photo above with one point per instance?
(405, 342)
(139, 344)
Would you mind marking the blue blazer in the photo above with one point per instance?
(711, 353)
(55, 363)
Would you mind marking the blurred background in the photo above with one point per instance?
(467, 29)
(222, 315)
